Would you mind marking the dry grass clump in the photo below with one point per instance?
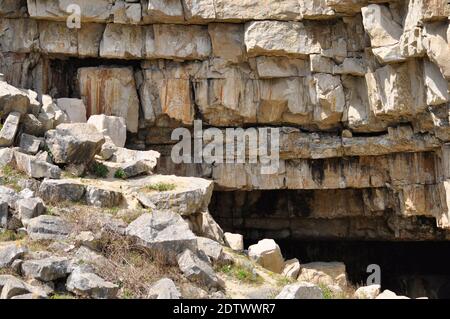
(132, 267)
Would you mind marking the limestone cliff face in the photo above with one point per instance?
(360, 89)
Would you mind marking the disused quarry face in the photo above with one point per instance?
(359, 91)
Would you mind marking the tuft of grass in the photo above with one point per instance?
(327, 292)
(241, 273)
(120, 173)
(99, 170)
(113, 210)
(284, 281)
(11, 177)
(161, 187)
(9, 235)
(51, 210)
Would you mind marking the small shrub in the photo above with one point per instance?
(161, 187)
(120, 173)
(99, 170)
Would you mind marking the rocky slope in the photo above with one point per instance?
(360, 90)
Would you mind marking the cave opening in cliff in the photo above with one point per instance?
(415, 263)
(62, 81)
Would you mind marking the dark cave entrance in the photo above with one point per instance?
(62, 81)
(414, 269)
(412, 266)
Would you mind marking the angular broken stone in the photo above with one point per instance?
(102, 197)
(14, 100)
(191, 195)
(112, 126)
(30, 144)
(234, 241)
(6, 156)
(47, 269)
(74, 108)
(29, 208)
(34, 167)
(268, 254)
(380, 26)
(61, 190)
(163, 231)
(204, 225)
(291, 268)
(9, 129)
(32, 126)
(13, 286)
(48, 227)
(301, 290)
(88, 284)
(196, 269)
(164, 289)
(9, 253)
(210, 248)
(75, 143)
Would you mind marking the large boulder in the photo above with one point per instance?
(48, 227)
(190, 195)
(268, 254)
(100, 197)
(87, 284)
(75, 143)
(163, 231)
(301, 290)
(164, 289)
(11, 286)
(196, 269)
(61, 190)
(47, 269)
(16, 100)
(29, 208)
(112, 126)
(33, 167)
